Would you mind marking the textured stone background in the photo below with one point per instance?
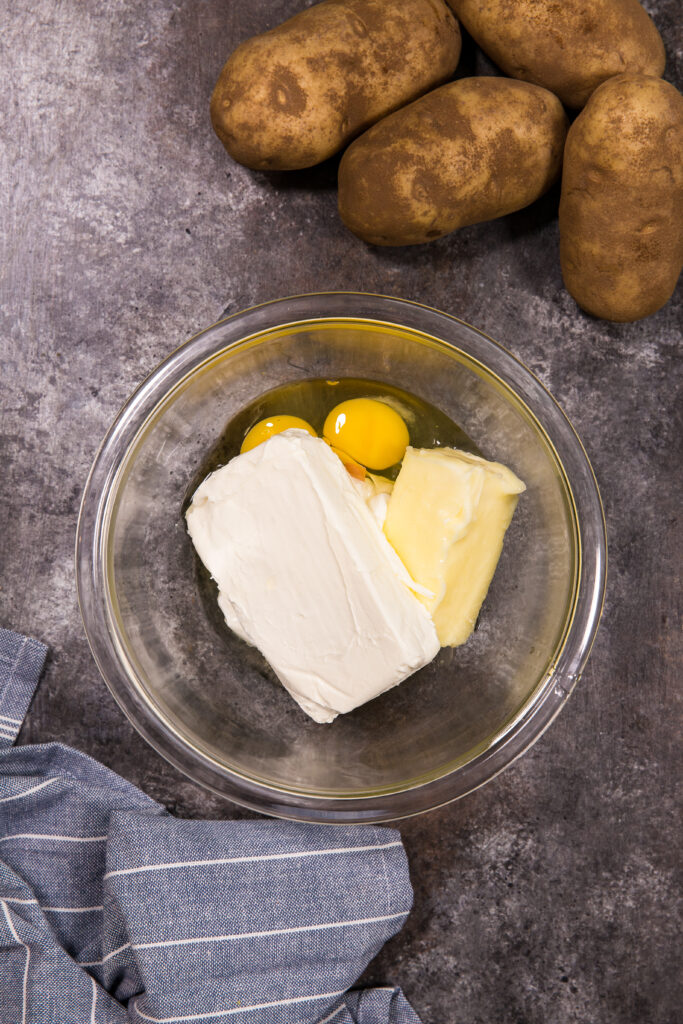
(548, 896)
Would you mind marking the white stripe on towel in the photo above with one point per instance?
(28, 959)
(54, 910)
(59, 839)
(25, 792)
(342, 1006)
(72, 910)
(237, 1009)
(262, 935)
(107, 956)
(250, 860)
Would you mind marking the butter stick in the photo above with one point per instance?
(446, 519)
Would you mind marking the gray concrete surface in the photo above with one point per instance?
(548, 897)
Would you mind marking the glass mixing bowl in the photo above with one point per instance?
(209, 703)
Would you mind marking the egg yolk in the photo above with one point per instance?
(264, 429)
(370, 431)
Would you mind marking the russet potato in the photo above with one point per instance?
(568, 46)
(469, 151)
(295, 95)
(621, 210)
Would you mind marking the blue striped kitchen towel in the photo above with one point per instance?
(113, 911)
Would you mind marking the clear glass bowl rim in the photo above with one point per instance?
(91, 553)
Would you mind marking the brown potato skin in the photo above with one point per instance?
(621, 210)
(568, 46)
(294, 96)
(470, 151)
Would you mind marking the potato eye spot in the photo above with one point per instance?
(286, 94)
(358, 26)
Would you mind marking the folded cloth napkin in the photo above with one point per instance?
(113, 911)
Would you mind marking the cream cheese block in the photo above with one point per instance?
(446, 519)
(305, 574)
